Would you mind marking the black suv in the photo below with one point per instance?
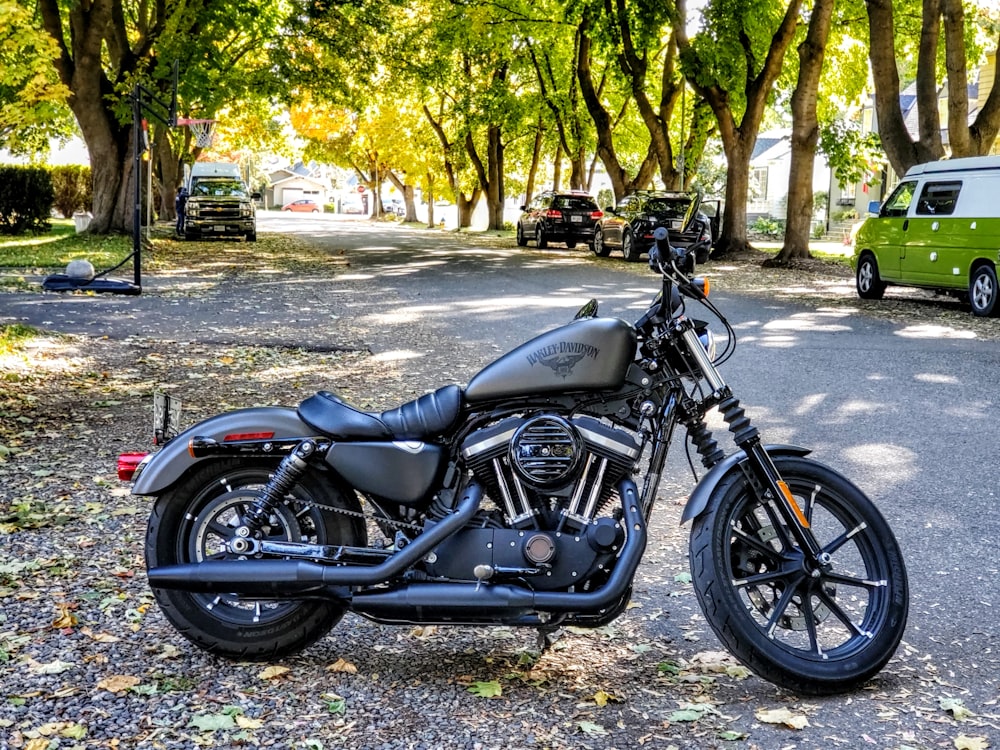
(630, 226)
(558, 216)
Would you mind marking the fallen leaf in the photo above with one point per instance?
(246, 723)
(589, 727)
(971, 743)
(602, 698)
(957, 708)
(100, 637)
(213, 722)
(342, 665)
(782, 716)
(490, 689)
(273, 672)
(118, 683)
(52, 667)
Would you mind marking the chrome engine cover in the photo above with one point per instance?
(545, 452)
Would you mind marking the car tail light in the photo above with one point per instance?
(595, 215)
(128, 463)
(553, 214)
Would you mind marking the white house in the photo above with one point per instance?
(770, 167)
(294, 183)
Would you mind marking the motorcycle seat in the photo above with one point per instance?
(425, 417)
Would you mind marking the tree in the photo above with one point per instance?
(805, 134)
(734, 63)
(32, 108)
(965, 139)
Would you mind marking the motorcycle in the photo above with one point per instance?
(514, 501)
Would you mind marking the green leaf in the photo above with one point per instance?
(686, 714)
(490, 689)
(731, 736)
(957, 708)
(682, 578)
(213, 722)
(589, 727)
(668, 667)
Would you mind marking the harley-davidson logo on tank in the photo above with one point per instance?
(562, 356)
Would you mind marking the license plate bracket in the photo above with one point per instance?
(166, 417)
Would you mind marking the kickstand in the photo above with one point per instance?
(547, 636)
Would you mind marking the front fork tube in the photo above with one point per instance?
(661, 444)
(747, 439)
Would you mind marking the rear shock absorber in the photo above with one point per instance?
(289, 471)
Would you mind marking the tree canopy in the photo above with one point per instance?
(484, 101)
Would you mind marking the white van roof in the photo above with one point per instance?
(214, 169)
(965, 164)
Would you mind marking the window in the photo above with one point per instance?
(938, 198)
(899, 202)
(758, 183)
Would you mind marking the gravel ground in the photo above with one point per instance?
(87, 661)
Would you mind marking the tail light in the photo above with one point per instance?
(553, 214)
(595, 215)
(128, 463)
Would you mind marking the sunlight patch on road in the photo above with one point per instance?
(396, 355)
(893, 462)
(930, 377)
(930, 331)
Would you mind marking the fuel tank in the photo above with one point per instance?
(587, 354)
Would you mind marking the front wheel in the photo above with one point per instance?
(192, 522)
(813, 627)
(868, 281)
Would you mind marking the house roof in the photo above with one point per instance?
(297, 178)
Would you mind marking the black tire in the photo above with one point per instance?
(983, 291)
(629, 250)
(540, 240)
(187, 524)
(251, 237)
(571, 244)
(786, 624)
(600, 249)
(867, 279)
(522, 241)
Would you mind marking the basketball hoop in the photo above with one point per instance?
(201, 129)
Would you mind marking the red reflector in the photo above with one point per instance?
(127, 463)
(236, 436)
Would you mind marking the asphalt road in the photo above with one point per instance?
(909, 416)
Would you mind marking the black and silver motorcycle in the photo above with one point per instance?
(514, 501)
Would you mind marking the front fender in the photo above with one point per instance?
(698, 501)
(170, 463)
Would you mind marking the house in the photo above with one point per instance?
(770, 168)
(296, 182)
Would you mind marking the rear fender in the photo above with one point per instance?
(698, 501)
(173, 461)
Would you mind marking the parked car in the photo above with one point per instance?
(395, 206)
(304, 204)
(220, 207)
(629, 226)
(558, 216)
(937, 230)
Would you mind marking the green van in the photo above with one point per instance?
(939, 229)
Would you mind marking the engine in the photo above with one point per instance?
(549, 472)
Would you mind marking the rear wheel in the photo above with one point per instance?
(983, 291)
(600, 249)
(811, 628)
(869, 283)
(540, 240)
(192, 523)
(629, 250)
(522, 241)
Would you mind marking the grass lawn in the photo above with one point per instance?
(59, 246)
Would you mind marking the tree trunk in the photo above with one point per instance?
(466, 204)
(408, 195)
(557, 168)
(620, 183)
(536, 157)
(738, 139)
(975, 139)
(805, 135)
(430, 200)
(902, 151)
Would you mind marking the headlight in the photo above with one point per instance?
(707, 339)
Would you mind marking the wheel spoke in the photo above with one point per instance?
(861, 583)
(760, 546)
(780, 607)
(840, 614)
(767, 578)
(810, 618)
(841, 540)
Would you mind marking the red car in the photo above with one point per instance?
(305, 204)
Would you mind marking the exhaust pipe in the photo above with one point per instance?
(284, 578)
